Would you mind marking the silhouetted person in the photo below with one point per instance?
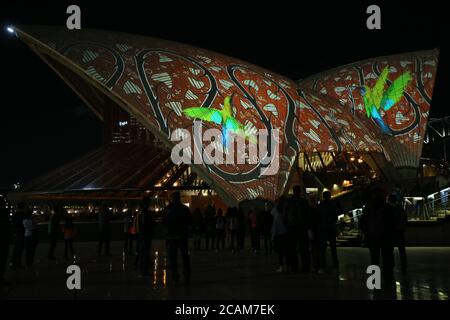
(326, 216)
(401, 220)
(241, 229)
(53, 230)
(398, 195)
(220, 230)
(5, 236)
(254, 230)
(144, 227)
(279, 232)
(104, 230)
(210, 222)
(31, 237)
(69, 235)
(198, 228)
(19, 235)
(297, 222)
(378, 225)
(233, 228)
(177, 221)
(128, 234)
(266, 228)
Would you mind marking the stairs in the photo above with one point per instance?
(349, 239)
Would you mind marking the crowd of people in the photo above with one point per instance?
(295, 227)
(299, 230)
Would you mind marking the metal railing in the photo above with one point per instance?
(348, 224)
(433, 206)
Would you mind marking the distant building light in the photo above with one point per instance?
(346, 183)
(360, 160)
(311, 190)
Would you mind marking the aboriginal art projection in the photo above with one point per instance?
(376, 106)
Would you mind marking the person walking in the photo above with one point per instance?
(31, 236)
(298, 225)
(69, 235)
(401, 220)
(53, 230)
(377, 224)
(220, 230)
(197, 228)
(279, 232)
(327, 213)
(128, 234)
(145, 230)
(254, 230)
(241, 229)
(5, 237)
(266, 219)
(104, 230)
(210, 222)
(19, 235)
(177, 221)
(233, 228)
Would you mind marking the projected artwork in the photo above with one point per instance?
(396, 109)
(379, 98)
(167, 85)
(224, 118)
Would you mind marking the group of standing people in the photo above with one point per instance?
(68, 231)
(304, 228)
(213, 226)
(26, 234)
(294, 225)
(383, 225)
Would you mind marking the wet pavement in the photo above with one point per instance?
(224, 275)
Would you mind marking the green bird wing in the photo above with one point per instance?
(395, 92)
(237, 128)
(368, 102)
(378, 89)
(206, 114)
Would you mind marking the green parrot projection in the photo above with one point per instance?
(222, 117)
(378, 97)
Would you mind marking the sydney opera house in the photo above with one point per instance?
(369, 116)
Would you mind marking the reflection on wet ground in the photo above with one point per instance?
(224, 275)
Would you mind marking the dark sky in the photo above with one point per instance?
(44, 124)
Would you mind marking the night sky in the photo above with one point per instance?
(44, 124)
